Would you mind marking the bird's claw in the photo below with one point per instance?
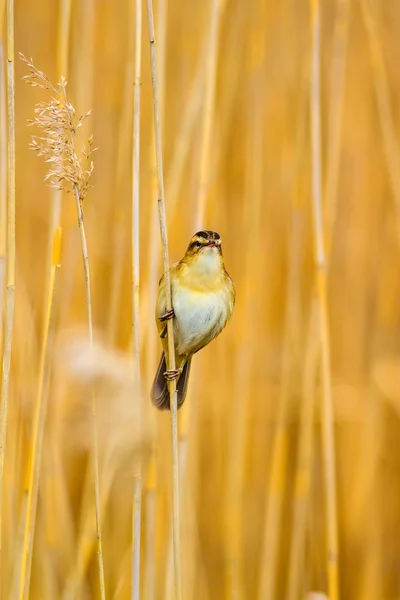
(169, 314)
(172, 374)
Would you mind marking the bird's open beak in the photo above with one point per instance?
(211, 244)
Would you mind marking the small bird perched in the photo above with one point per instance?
(203, 298)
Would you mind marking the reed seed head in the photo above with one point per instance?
(58, 124)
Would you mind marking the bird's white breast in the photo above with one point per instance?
(200, 316)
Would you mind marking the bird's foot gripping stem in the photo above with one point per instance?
(172, 374)
(169, 314)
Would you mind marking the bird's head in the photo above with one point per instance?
(204, 254)
(205, 243)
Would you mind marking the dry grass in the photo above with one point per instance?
(256, 452)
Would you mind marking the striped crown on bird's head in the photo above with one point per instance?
(204, 239)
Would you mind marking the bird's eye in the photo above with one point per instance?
(197, 244)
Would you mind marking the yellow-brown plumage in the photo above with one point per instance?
(203, 298)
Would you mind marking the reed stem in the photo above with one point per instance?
(328, 441)
(10, 260)
(38, 425)
(170, 326)
(86, 268)
(137, 499)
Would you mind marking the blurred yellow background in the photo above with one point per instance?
(252, 420)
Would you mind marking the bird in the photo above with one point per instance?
(203, 299)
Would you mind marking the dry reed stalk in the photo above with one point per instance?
(278, 472)
(94, 418)
(123, 151)
(2, 16)
(339, 59)
(188, 441)
(303, 468)
(3, 179)
(368, 501)
(174, 177)
(150, 293)
(183, 434)
(328, 440)
(209, 56)
(279, 463)
(385, 112)
(137, 496)
(10, 260)
(16, 571)
(35, 456)
(86, 535)
(170, 330)
(295, 564)
(173, 185)
(64, 25)
(56, 120)
(63, 35)
(56, 495)
(153, 238)
(245, 356)
(216, 8)
(150, 494)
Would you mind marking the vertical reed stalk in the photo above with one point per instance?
(38, 426)
(173, 184)
(216, 7)
(75, 579)
(303, 473)
(64, 24)
(10, 261)
(328, 444)
(183, 434)
(170, 330)
(305, 444)
(278, 477)
(2, 15)
(335, 117)
(3, 177)
(86, 269)
(137, 503)
(153, 237)
(150, 527)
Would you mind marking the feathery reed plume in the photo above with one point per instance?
(328, 441)
(10, 260)
(137, 496)
(38, 428)
(168, 299)
(71, 173)
(56, 119)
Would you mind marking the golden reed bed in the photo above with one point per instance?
(279, 127)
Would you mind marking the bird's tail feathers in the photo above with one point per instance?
(159, 390)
